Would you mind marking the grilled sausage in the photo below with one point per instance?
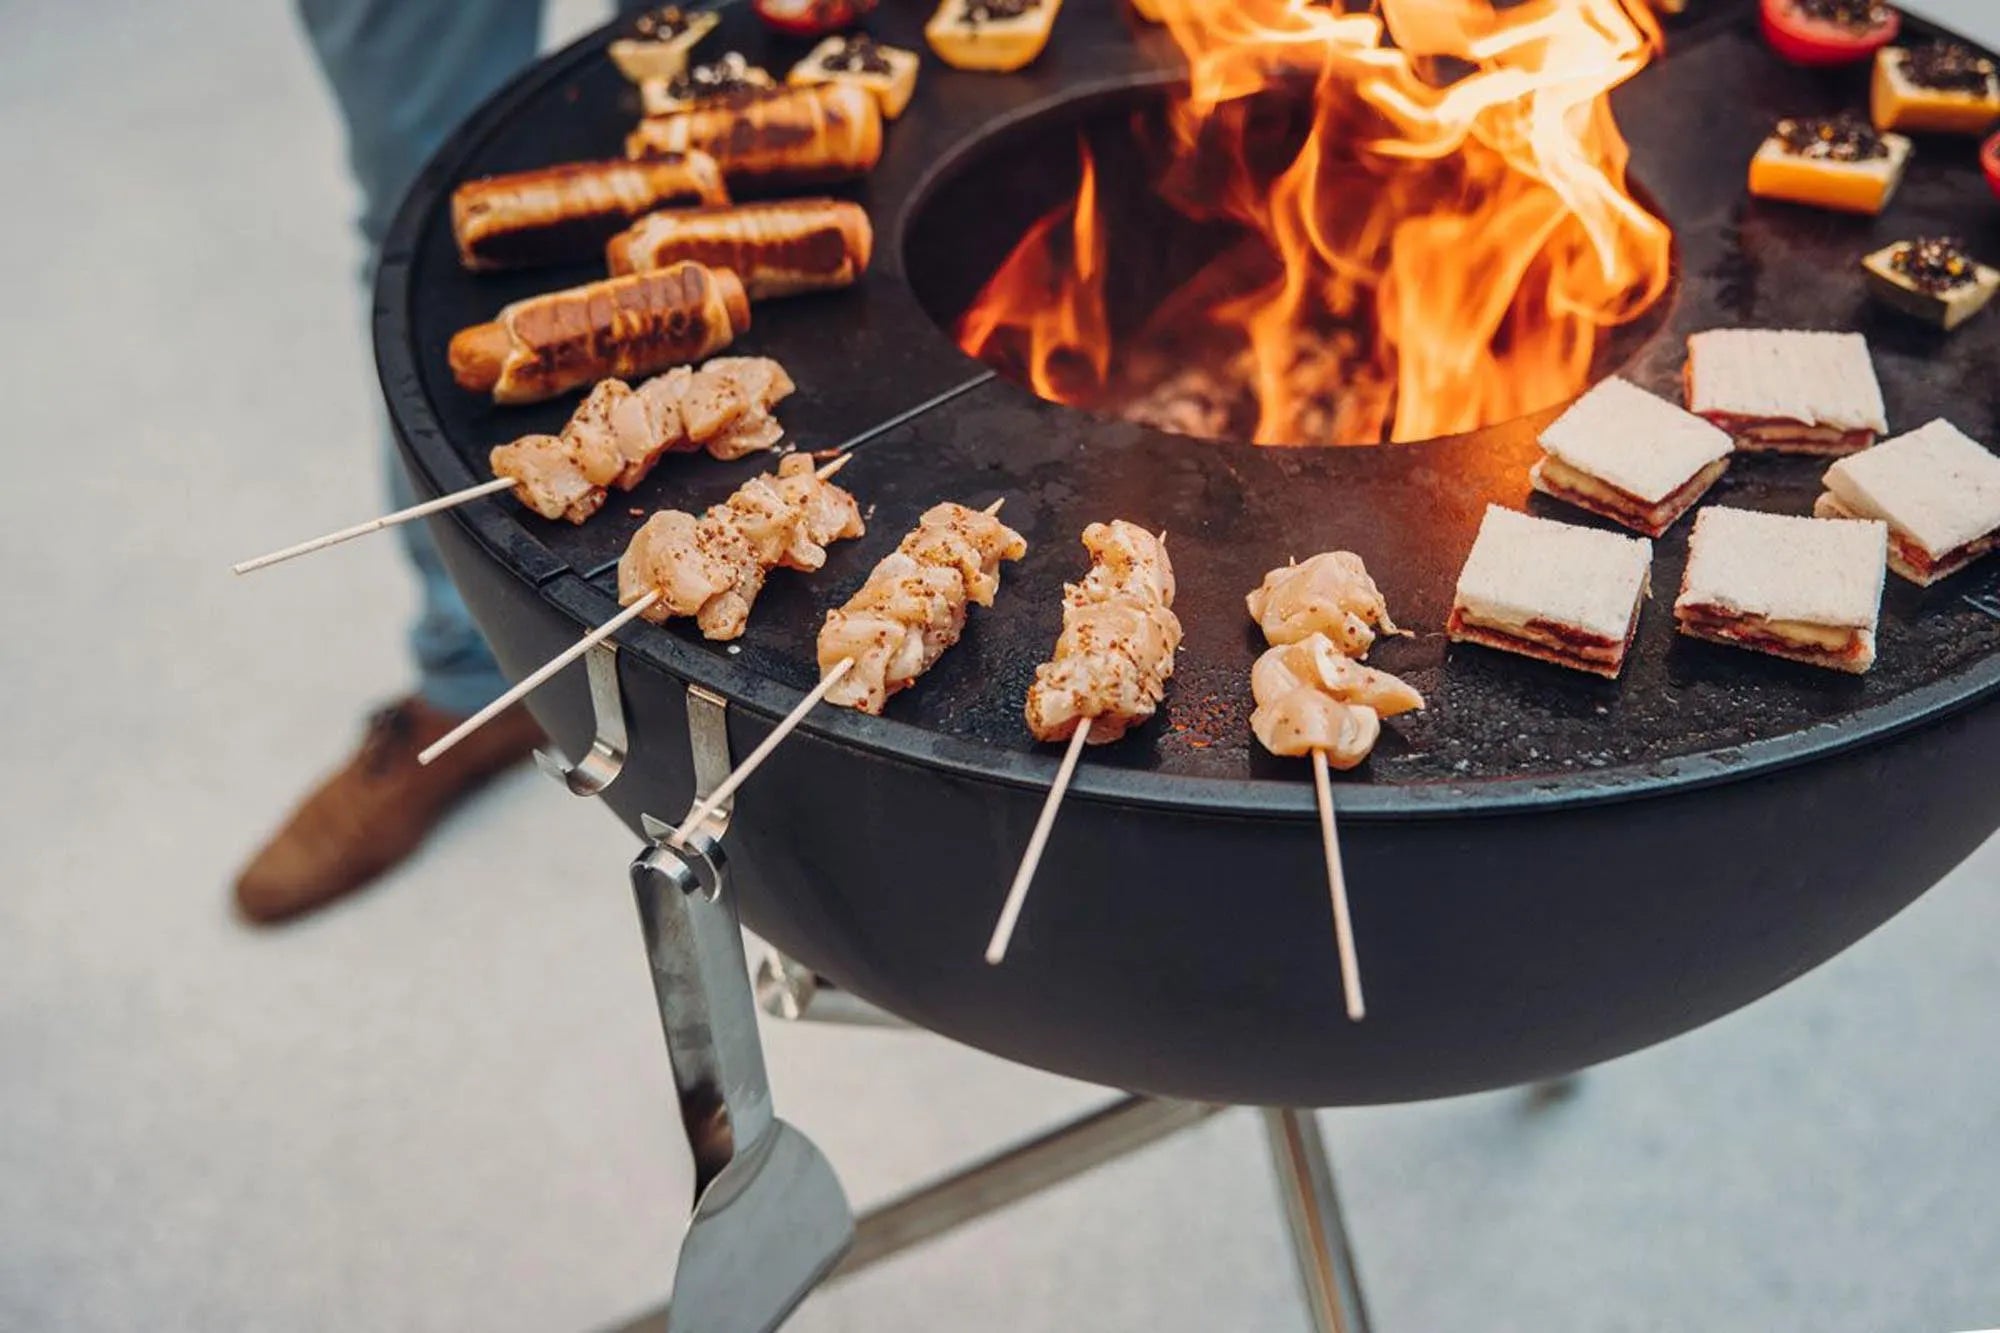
(558, 214)
(777, 248)
(626, 327)
(774, 140)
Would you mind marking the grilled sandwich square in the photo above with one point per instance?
(1630, 456)
(1787, 391)
(1558, 593)
(1936, 488)
(1805, 589)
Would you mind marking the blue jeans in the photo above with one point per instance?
(406, 73)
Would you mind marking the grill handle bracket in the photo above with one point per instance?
(769, 1218)
(605, 760)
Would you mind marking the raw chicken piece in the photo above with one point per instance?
(1330, 594)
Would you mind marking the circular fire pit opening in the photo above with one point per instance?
(1098, 253)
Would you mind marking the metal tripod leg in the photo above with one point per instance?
(1312, 1217)
(769, 1218)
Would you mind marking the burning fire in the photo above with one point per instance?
(1442, 250)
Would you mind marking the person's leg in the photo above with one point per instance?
(456, 673)
(406, 73)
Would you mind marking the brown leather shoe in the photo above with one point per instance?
(378, 809)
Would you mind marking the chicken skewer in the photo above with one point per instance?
(911, 609)
(1108, 674)
(710, 567)
(1313, 699)
(614, 438)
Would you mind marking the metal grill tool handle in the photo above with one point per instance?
(770, 1219)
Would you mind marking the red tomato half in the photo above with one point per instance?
(811, 18)
(1989, 158)
(1805, 40)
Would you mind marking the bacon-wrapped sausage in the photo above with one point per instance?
(784, 138)
(565, 213)
(626, 327)
(777, 248)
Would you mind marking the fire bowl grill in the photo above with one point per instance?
(1547, 871)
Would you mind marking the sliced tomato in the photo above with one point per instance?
(1805, 40)
(1989, 158)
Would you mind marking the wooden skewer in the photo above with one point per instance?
(709, 804)
(583, 645)
(443, 502)
(789, 723)
(1336, 880)
(528, 684)
(1017, 893)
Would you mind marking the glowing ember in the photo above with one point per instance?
(1441, 250)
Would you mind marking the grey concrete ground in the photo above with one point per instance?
(443, 1106)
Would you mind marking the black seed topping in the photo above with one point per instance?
(1856, 14)
(855, 55)
(731, 74)
(1948, 67)
(1842, 138)
(1935, 264)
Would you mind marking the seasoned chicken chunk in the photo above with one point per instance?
(713, 566)
(1116, 650)
(830, 513)
(762, 381)
(1125, 559)
(895, 628)
(913, 606)
(615, 423)
(688, 560)
(547, 477)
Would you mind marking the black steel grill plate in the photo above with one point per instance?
(1499, 730)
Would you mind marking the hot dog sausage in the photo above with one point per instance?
(626, 327)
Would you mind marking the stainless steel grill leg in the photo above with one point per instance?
(1043, 1162)
(1312, 1216)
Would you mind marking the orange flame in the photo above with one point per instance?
(1459, 206)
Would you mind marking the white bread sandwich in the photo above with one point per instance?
(1632, 457)
(1787, 391)
(1805, 589)
(1561, 594)
(1936, 488)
